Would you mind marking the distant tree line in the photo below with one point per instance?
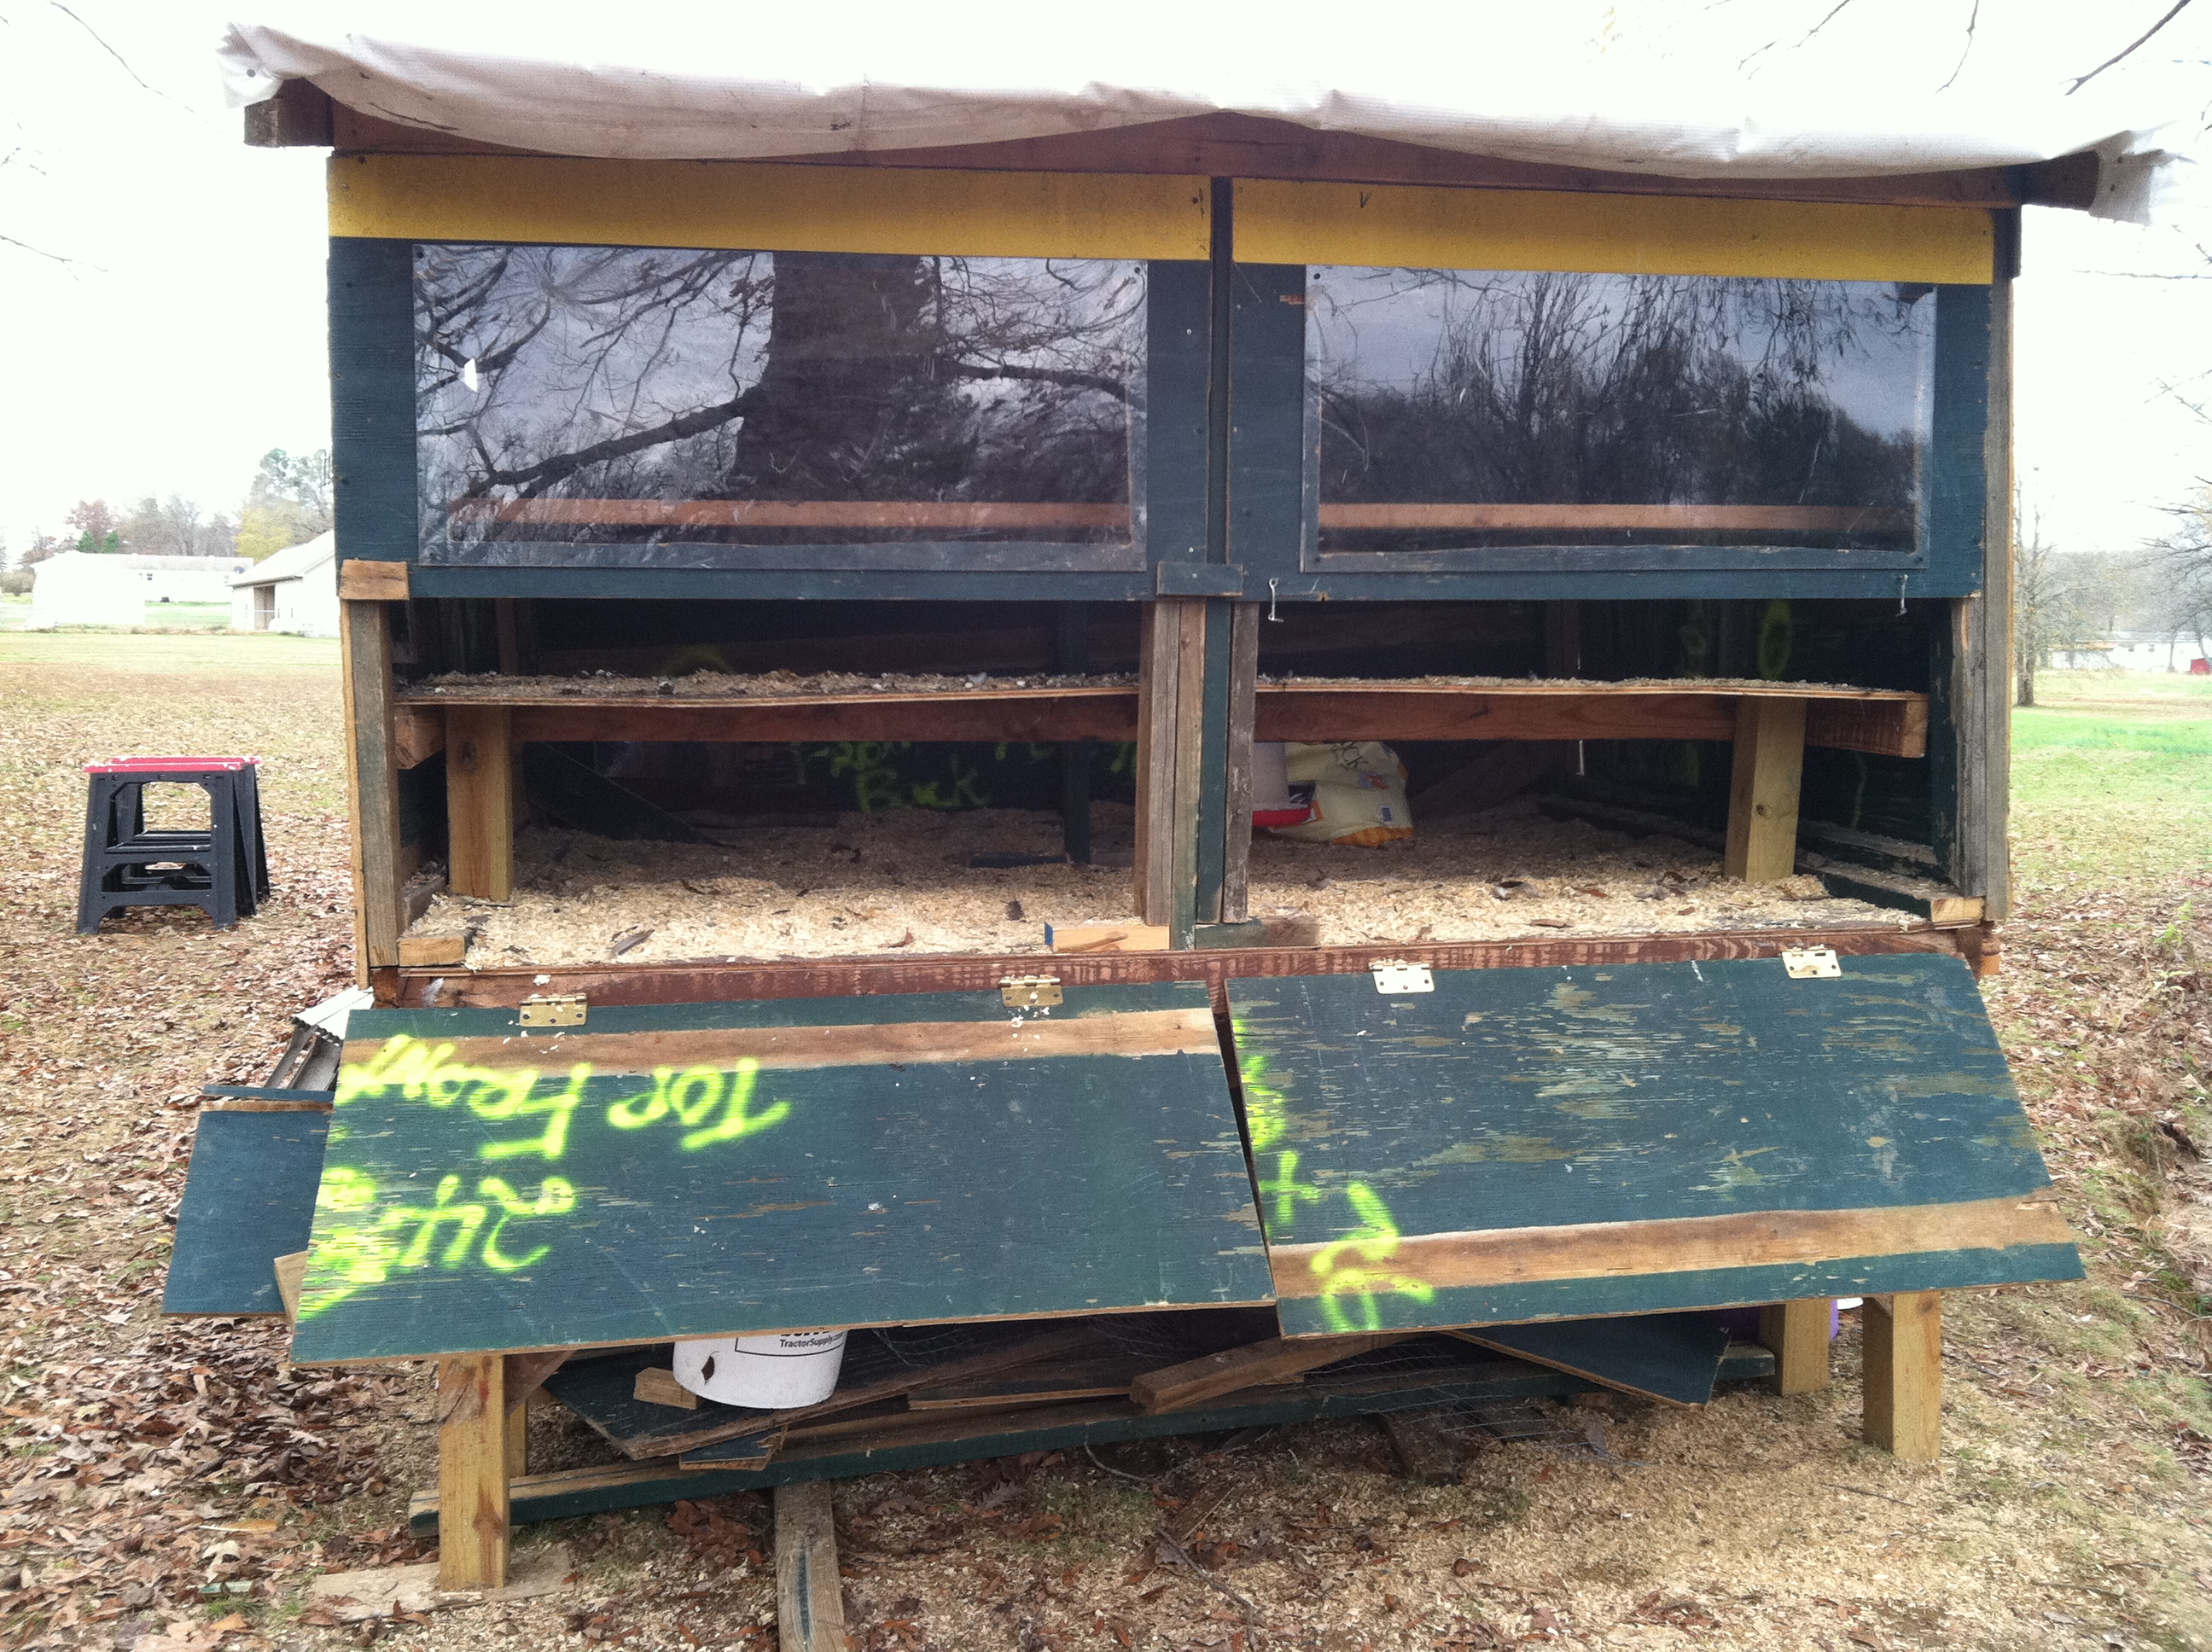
(287, 501)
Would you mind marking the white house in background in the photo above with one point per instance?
(188, 578)
(296, 589)
(82, 588)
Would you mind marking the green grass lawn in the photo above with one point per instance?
(247, 651)
(16, 614)
(2111, 776)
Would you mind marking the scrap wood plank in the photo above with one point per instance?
(1674, 1358)
(1638, 1139)
(1090, 1162)
(604, 1392)
(1178, 1387)
(810, 1602)
(959, 1437)
(1424, 1451)
(249, 1198)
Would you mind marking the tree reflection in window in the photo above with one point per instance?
(1616, 409)
(633, 395)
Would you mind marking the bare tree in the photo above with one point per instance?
(2052, 609)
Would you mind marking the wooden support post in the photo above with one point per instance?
(473, 1473)
(1236, 815)
(1796, 1332)
(373, 786)
(1770, 762)
(810, 1605)
(1170, 698)
(480, 802)
(1903, 1343)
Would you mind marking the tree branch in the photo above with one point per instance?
(2179, 7)
(531, 477)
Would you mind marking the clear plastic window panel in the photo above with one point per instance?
(630, 396)
(1488, 408)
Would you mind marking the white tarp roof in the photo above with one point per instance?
(1721, 91)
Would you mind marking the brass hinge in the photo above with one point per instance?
(1395, 976)
(553, 1010)
(1029, 992)
(1811, 963)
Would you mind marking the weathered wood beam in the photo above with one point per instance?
(1796, 1333)
(810, 1604)
(1768, 767)
(1902, 1338)
(1177, 1387)
(480, 801)
(373, 785)
(473, 1473)
(1170, 696)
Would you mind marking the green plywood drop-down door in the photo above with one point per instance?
(710, 1169)
(1523, 1145)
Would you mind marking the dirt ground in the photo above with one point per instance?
(172, 1484)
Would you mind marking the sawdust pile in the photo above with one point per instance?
(902, 882)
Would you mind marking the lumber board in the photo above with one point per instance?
(991, 515)
(1236, 805)
(1065, 939)
(1185, 1030)
(1936, 902)
(480, 802)
(1100, 1376)
(525, 1374)
(1672, 1357)
(1888, 722)
(363, 580)
(418, 733)
(1426, 1454)
(1797, 1334)
(810, 1602)
(1902, 1338)
(291, 1272)
(1674, 518)
(372, 786)
(472, 1476)
(539, 1198)
(1178, 1387)
(1636, 1139)
(656, 1385)
(249, 1198)
(1764, 782)
(604, 1391)
(707, 982)
(417, 950)
(1171, 690)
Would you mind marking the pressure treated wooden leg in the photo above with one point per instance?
(1170, 730)
(473, 1473)
(373, 788)
(480, 802)
(810, 1604)
(1797, 1335)
(1904, 1341)
(1770, 762)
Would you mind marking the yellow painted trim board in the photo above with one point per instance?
(1419, 228)
(745, 206)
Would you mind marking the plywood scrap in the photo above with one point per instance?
(1129, 936)
(656, 1385)
(291, 1270)
(417, 951)
(1674, 1357)
(1177, 1387)
(353, 1597)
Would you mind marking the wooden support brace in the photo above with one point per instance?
(1796, 1333)
(473, 1473)
(1170, 693)
(810, 1605)
(480, 801)
(372, 790)
(1903, 1343)
(1770, 762)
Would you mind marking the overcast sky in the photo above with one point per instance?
(165, 300)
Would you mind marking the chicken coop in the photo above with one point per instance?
(819, 627)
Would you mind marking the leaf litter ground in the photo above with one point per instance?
(172, 1483)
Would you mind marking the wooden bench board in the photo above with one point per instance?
(1524, 1145)
(249, 1198)
(696, 1170)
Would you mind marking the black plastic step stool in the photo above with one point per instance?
(224, 870)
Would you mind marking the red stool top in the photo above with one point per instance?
(169, 765)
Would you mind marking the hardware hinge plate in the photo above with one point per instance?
(553, 1010)
(1393, 976)
(1811, 963)
(1029, 992)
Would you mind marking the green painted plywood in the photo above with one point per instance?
(1689, 1124)
(635, 1180)
(249, 1197)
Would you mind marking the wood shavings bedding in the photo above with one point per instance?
(899, 884)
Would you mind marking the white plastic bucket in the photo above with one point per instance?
(773, 1373)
